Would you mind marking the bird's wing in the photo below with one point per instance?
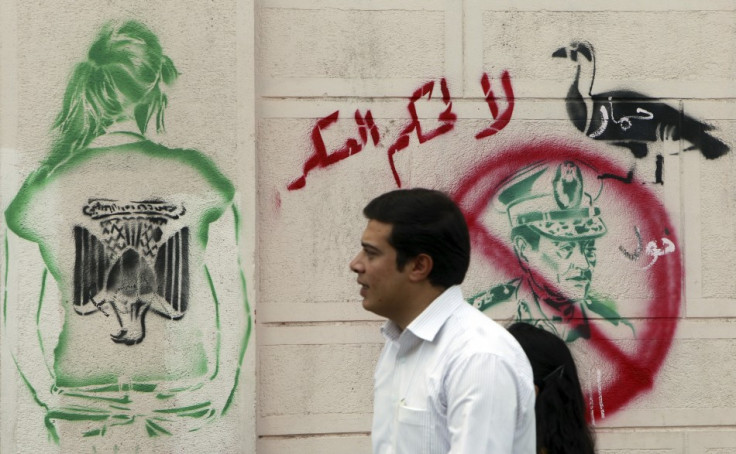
(90, 266)
(172, 272)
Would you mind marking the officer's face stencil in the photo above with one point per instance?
(554, 222)
(567, 265)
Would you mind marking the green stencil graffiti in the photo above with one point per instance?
(554, 226)
(124, 227)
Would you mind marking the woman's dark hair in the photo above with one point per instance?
(425, 221)
(560, 406)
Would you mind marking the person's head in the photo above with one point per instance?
(414, 237)
(554, 225)
(123, 78)
(560, 405)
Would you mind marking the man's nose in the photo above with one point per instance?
(356, 265)
(578, 260)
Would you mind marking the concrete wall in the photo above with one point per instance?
(168, 391)
(344, 95)
(311, 109)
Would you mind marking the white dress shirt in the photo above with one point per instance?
(454, 381)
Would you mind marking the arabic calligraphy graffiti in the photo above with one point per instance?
(655, 252)
(502, 119)
(624, 122)
(446, 118)
(321, 158)
(652, 249)
(445, 122)
(635, 255)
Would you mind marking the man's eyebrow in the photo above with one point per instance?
(369, 247)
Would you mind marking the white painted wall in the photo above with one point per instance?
(211, 109)
(317, 347)
(258, 76)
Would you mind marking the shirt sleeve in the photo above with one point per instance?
(482, 408)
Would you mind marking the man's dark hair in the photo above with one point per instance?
(425, 221)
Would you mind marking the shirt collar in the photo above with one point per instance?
(428, 323)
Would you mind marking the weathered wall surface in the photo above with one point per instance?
(634, 101)
(131, 331)
(358, 98)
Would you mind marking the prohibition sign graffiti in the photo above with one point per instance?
(634, 370)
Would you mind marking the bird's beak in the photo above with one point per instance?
(560, 53)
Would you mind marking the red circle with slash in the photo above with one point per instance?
(634, 371)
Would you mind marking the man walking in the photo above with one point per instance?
(449, 379)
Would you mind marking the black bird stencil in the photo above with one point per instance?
(627, 118)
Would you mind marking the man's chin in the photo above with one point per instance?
(367, 305)
(576, 289)
(371, 307)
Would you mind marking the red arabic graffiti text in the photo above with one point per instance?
(367, 127)
(503, 119)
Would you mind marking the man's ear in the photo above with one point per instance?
(520, 247)
(420, 267)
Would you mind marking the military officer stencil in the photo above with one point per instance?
(554, 227)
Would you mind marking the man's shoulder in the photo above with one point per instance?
(479, 341)
(476, 333)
